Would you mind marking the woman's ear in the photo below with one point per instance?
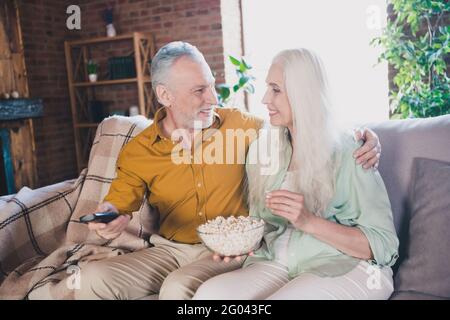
(163, 95)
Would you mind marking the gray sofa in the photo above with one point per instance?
(402, 142)
(422, 270)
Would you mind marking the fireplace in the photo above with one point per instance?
(17, 156)
(7, 185)
(17, 146)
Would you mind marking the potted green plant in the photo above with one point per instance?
(92, 69)
(244, 82)
(416, 43)
(108, 18)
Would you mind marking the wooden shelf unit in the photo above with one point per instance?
(109, 82)
(77, 57)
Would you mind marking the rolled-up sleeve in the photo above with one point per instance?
(369, 198)
(127, 189)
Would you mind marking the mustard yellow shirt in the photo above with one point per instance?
(186, 193)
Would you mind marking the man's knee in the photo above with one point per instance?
(179, 286)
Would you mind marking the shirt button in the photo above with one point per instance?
(200, 213)
(199, 185)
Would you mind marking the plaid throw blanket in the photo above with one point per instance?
(42, 244)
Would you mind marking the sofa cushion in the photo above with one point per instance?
(426, 266)
(409, 295)
(401, 142)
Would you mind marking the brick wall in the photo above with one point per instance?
(43, 27)
(43, 32)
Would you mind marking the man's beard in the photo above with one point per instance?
(206, 123)
(199, 123)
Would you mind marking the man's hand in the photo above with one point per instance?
(112, 229)
(369, 153)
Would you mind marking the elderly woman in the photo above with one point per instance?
(330, 232)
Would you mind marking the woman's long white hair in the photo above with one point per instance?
(315, 133)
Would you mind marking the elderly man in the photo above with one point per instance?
(185, 194)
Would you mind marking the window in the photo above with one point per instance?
(340, 32)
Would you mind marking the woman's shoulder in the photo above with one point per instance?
(349, 170)
(344, 155)
(347, 146)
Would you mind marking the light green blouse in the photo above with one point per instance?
(360, 200)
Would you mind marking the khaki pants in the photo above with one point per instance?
(173, 270)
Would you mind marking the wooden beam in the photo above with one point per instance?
(139, 75)
(22, 154)
(100, 40)
(68, 52)
(108, 82)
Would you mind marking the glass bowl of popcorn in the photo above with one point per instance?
(232, 236)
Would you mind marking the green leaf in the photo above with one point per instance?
(236, 87)
(242, 68)
(235, 61)
(223, 91)
(404, 109)
(247, 66)
(243, 80)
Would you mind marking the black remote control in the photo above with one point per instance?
(102, 217)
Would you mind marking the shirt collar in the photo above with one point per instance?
(161, 114)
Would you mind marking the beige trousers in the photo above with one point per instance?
(269, 280)
(172, 270)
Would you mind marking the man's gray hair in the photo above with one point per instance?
(167, 56)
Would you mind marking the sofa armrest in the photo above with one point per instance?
(33, 222)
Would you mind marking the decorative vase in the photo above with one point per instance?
(134, 111)
(93, 77)
(110, 30)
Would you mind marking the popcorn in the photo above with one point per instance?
(232, 236)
